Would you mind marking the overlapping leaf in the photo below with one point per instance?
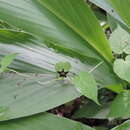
(86, 85)
(122, 7)
(48, 28)
(121, 105)
(120, 41)
(43, 122)
(105, 5)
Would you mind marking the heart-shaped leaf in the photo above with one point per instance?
(87, 85)
(62, 66)
(122, 68)
(120, 41)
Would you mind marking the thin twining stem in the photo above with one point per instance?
(94, 68)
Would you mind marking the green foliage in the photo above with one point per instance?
(60, 66)
(43, 121)
(92, 110)
(122, 68)
(86, 84)
(121, 105)
(116, 88)
(120, 41)
(123, 126)
(6, 61)
(73, 31)
(122, 8)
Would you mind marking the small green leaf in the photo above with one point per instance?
(63, 66)
(87, 85)
(6, 61)
(121, 105)
(122, 68)
(120, 41)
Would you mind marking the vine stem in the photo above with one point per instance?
(44, 83)
(57, 79)
(94, 68)
(20, 73)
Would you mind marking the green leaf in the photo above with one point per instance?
(7, 60)
(63, 66)
(18, 91)
(51, 24)
(35, 57)
(86, 84)
(54, 32)
(121, 105)
(112, 22)
(116, 88)
(123, 126)
(92, 110)
(43, 122)
(122, 69)
(120, 41)
(96, 38)
(105, 5)
(40, 92)
(122, 8)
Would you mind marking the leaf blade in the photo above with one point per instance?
(89, 21)
(41, 121)
(7, 60)
(86, 84)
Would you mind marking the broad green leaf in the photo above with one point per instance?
(41, 59)
(46, 26)
(120, 41)
(86, 85)
(122, 8)
(122, 69)
(83, 25)
(34, 93)
(121, 105)
(123, 126)
(35, 57)
(57, 31)
(51, 30)
(43, 122)
(7, 60)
